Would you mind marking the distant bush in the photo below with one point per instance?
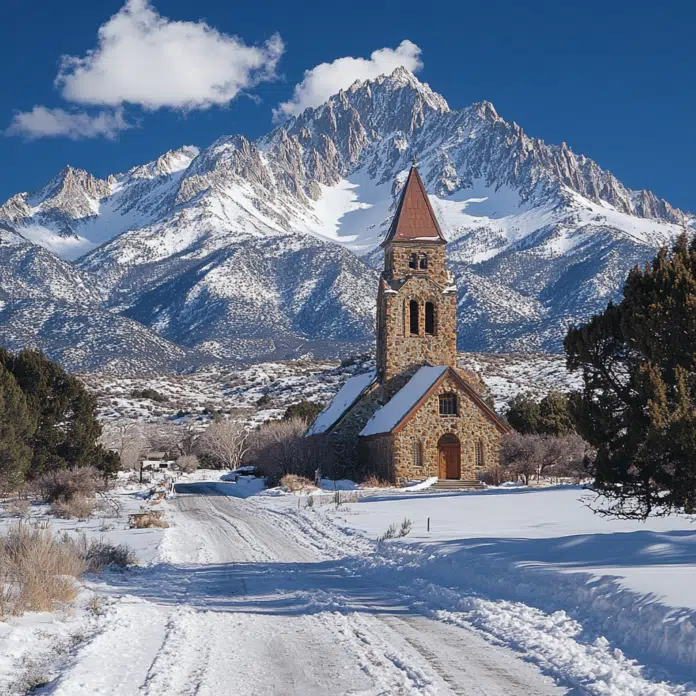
(524, 456)
(279, 447)
(305, 410)
(148, 393)
(85, 481)
(264, 400)
(77, 507)
(187, 463)
(294, 483)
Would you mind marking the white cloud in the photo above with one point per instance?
(326, 79)
(146, 59)
(42, 122)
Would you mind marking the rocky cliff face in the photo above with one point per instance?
(270, 247)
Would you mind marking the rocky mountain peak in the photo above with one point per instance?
(166, 164)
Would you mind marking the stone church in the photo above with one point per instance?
(416, 415)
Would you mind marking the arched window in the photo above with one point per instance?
(413, 261)
(429, 318)
(449, 405)
(423, 262)
(417, 454)
(480, 458)
(413, 317)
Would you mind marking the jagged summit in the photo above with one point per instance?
(250, 248)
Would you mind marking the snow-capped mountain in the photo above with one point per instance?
(269, 247)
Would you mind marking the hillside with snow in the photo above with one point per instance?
(268, 249)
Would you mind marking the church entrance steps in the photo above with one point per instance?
(458, 485)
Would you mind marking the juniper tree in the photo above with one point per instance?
(17, 424)
(638, 402)
(550, 416)
(67, 430)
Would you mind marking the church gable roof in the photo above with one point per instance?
(398, 407)
(348, 394)
(395, 413)
(414, 220)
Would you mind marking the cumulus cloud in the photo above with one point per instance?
(42, 122)
(145, 59)
(326, 79)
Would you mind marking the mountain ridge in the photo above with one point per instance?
(273, 242)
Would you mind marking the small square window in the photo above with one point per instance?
(449, 405)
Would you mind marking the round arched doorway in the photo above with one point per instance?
(449, 457)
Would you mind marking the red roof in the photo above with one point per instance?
(415, 220)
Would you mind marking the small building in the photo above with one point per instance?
(416, 415)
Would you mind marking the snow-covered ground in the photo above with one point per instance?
(280, 384)
(507, 594)
(631, 582)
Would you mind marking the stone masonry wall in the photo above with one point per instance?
(396, 258)
(427, 426)
(402, 350)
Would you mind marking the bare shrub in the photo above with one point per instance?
(65, 484)
(224, 443)
(187, 463)
(537, 455)
(18, 508)
(128, 440)
(99, 554)
(294, 483)
(38, 570)
(278, 448)
(78, 507)
(175, 440)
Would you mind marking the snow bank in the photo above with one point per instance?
(633, 583)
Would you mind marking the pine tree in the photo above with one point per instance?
(638, 403)
(17, 424)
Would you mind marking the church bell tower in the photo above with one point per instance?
(417, 297)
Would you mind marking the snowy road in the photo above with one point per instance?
(254, 601)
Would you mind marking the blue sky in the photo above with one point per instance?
(613, 79)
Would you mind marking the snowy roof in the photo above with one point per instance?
(349, 393)
(393, 412)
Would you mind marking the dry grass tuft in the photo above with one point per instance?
(294, 483)
(373, 482)
(148, 519)
(78, 507)
(37, 570)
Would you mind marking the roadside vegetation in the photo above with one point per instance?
(39, 570)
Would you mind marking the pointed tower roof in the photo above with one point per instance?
(414, 220)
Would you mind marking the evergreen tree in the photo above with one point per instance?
(638, 403)
(306, 410)
(523, 414)
(67, 431)
(17, 424)
(550, 416)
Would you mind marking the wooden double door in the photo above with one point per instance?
(449, 457)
